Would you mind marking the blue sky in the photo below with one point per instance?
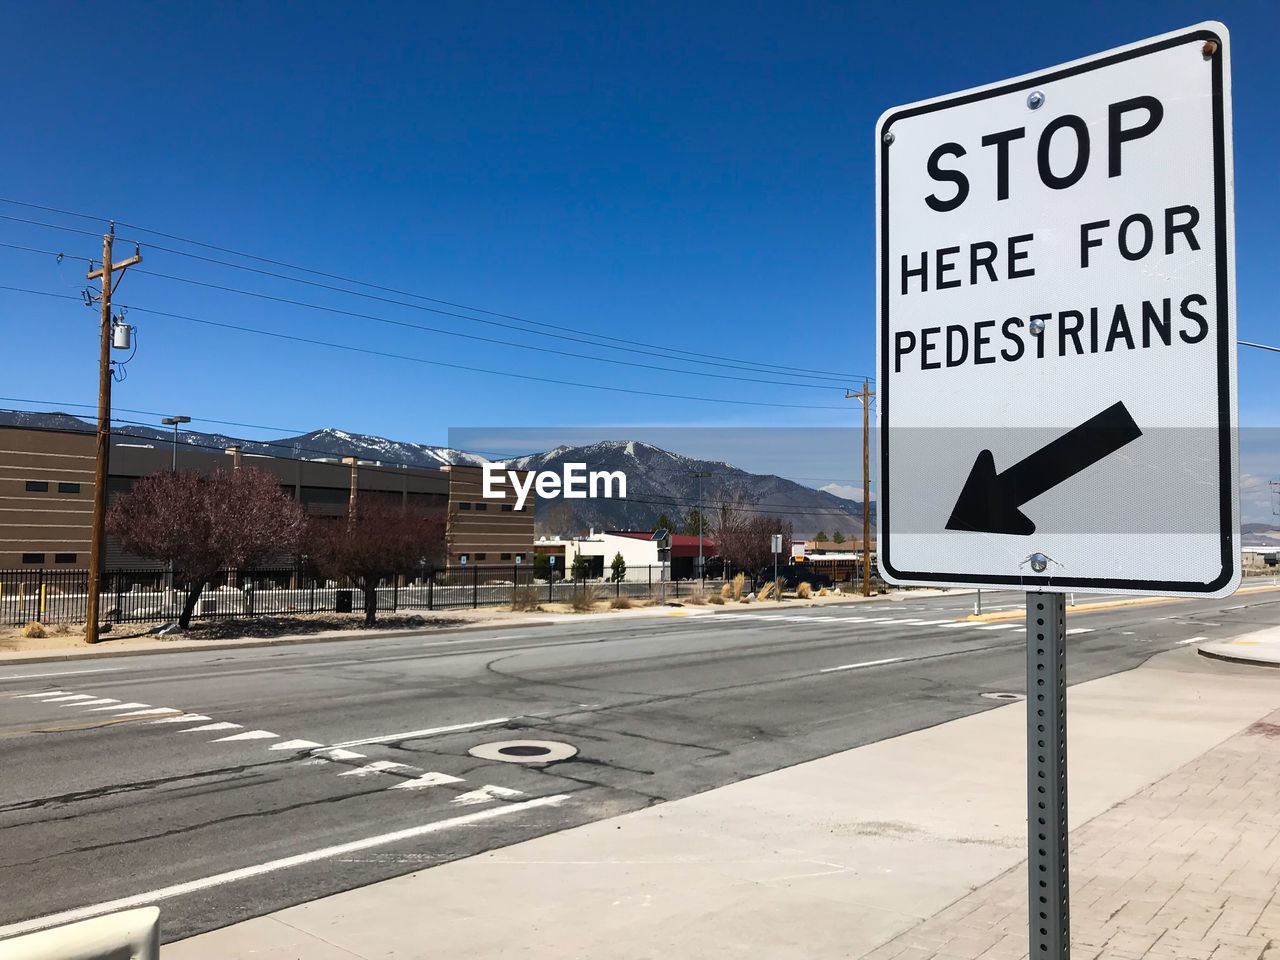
(694, 176)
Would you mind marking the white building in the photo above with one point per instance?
(599, 548)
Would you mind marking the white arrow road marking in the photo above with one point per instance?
(1191, 640)
(153, 712)
(295, 745)
(378, 766)
(426, 780)
(213, 726)
(69, 697)
(271, 866)
(249, 735)
(855, 666)
(484, 795)
(121, 706)
(92, 703)
(185, 718)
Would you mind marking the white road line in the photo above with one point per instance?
(930, 623)
(42, 693)
(429, 732)
(271, 866)
(185, 718)
(214, 726)
(153, 712)
(1191, 640)
(295, 745)
(1001, 626)
(249, 735)
(426, 780)
(69, 697)
(60, 673)
(378, 766)
(956, 623)
(120, 706)
(93, 703)
(1075, 630)
(484, 795)
(855, 666)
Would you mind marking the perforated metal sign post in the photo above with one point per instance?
(1056, 328)
(1056, 334)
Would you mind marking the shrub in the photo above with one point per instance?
(779, 588)
(824, 592)
(34, 630)
(804, 590)
(739, 586)
(716, 599)
(726, 591)
(584, 600)
(765, 591)
(620, 603)
(524, 599)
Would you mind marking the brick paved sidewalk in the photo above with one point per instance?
(1187, 869)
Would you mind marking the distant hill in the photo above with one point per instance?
(658, 481)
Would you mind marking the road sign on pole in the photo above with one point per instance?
(1057, 328)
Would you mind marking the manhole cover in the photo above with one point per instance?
(525, 751)
(1004, 696)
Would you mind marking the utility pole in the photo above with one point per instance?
(97, 537)
(355, 486)
(864, 396)
(701, 523)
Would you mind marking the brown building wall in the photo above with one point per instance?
(48, 526)
(486, 530)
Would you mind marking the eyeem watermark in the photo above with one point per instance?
(573, 482)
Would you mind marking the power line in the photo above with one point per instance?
(388, 355)
(1258, 346)
(627, 345)
(471, 336)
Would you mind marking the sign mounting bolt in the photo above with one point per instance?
(1035, 100)
(1039, 562)
(1037, 326)
(888, 136)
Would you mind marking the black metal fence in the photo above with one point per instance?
(52, 595)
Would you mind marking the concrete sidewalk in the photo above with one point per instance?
(1260, 649)
(855, 854)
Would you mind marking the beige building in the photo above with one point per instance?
(486, 531)
(46, 497)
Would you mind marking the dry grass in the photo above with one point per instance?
(738, 586)
(804, 590)
(524, 599)
(584, 600)
(765, 591)
(726, 591)
(697, 598)
(620, 603)
(779, 588)
(34, 630)
(716, 599)
(824, 592)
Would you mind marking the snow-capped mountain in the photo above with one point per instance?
(658, 481)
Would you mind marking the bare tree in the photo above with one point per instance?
(744, 536)
(380, 541)
(204, 524)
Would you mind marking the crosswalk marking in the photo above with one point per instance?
(213, 726)
(484, 795)
(93, 703)
(1191, 640)
(249, 735)
(121, 706)
(184, 718)
(296, 745)
(378, 766)
(1075, 630)
(150, 712)
(69, 697)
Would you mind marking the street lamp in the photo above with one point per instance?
(700, 474)
(174, 422)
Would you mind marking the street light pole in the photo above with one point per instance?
(701, 522)
(174, 422)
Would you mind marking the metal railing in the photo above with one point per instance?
(52, 595)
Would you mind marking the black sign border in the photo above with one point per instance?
(1227, 521)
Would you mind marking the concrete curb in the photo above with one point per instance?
(1231, 658)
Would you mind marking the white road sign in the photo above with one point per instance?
(1056, 328)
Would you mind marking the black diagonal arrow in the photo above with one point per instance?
(990, 501)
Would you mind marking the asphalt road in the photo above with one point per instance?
(238, 782)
